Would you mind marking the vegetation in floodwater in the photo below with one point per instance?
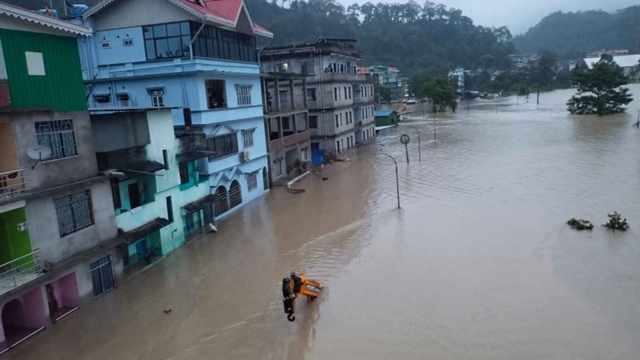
(580, 224)
(616, 222)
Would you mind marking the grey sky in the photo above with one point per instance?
(517, 15)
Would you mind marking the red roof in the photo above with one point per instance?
(363, 70)
(223, 9)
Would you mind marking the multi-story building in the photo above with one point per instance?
(287, 122)
(340, 100)
(58, 232)
(389, 77)
(160, 198)
(195, 54)
(457, 76)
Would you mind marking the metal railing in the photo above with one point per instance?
(13, 183)
(20, 271)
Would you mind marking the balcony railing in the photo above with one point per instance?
(20, 271)
(13, 183)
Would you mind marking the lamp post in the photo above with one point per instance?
(397, 181)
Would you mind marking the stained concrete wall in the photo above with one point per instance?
(120, 131)
(44, 229)
(61, 171)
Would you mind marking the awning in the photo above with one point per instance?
(192, 155)
(140, 168)
(149, 228)
(200, 204)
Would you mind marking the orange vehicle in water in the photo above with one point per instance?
(298, 284)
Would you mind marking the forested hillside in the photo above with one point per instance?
(409, 36)
(581, 32)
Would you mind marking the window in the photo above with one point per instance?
(340, 119)
(247, 138)
(311, 94)
(350, 93)
(313, 121)
(184, 173)
(283, 67)
(244, 94)
(222, 145)
(335, 93)
(252, 181)
(105, 45)
(277, 167)
(74, 212)
(169, 209)
(284, 97)
(215, 94)
(341, 68)
(59, 136)
(127, 42)
(124, 99)
(304, 154)
(217, 43)
(166, 41)
(338, 147)
(345, 96)
(315, 146)
(165, 159)
(337, 121)
(35, 63)
(102, 99)
(308, 68)
(157, 98)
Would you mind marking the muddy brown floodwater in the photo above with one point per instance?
(478, 264)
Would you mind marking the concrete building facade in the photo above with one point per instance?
(196, 55)
(340, 100)
(58, 232)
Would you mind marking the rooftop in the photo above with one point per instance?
(382, 113)
(43, 20)
(621, 60)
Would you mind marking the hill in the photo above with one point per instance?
(582, 32)
(409, 36)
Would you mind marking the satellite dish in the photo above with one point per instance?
(39, 153)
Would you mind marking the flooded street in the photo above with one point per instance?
(478, 263)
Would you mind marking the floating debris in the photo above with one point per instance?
(616, 222)
(580, 224)
(295, 191)
(167, 310)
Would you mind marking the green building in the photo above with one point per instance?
(386, 118)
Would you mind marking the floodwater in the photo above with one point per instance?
(478, 263)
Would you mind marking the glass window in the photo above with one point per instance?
(222, 145)
(311, 94)
(162, 49)
(174, 47)
(185, 28)
(244, 94)
(59, 136)
(215, 94)
(151, 49)
(148, 32)
(313, 121)
(252, 181)
(185, 44)
(173, 29)
(160, 31)
(74, 212)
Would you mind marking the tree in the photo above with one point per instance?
(382, 93)
(599, 89)
(441, 93)
(544, 72)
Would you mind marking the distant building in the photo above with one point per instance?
(339, 97)
(58, 234)
(386, 118)
(286, 98)
(458, 74)
(628, 63)
(388, 76)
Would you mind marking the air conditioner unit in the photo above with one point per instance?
(245, 156)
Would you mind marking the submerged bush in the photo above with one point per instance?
(581, 224)
(616, 222)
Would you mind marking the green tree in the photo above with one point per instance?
(543, 74)
(441, 93)
(599, 89)
(382, 93)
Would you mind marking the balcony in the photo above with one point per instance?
(20, 271)
(13, 184)
(134, 218)
(288, 140)
(214, 116)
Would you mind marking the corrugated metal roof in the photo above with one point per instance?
(381, 113)
(623, 61)
(37, 18)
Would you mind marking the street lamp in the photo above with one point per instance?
(397, 181)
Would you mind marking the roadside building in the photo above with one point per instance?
(287, 122)
(58, 232)
(386, 118)
(457, 76)
(159, 196)
(339, 99)
(389, 77)
(628, 63)
(200, 55)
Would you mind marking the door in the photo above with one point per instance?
(134, 195)
(142, 249)
(102, 276)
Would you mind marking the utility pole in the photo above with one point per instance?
(419, 147)
(397, 181)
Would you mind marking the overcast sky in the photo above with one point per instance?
(517, 15)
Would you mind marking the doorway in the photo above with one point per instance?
(102, 276)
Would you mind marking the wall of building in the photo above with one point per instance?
(9, 159)
(14, 237)
(56, 82)
(117, 52)
(120, 131)
(115, 16)
(61, 171)
(44, 229)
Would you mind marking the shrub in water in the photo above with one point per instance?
(616, 222)
(581, 224)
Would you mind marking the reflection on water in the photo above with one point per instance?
(478, 263)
